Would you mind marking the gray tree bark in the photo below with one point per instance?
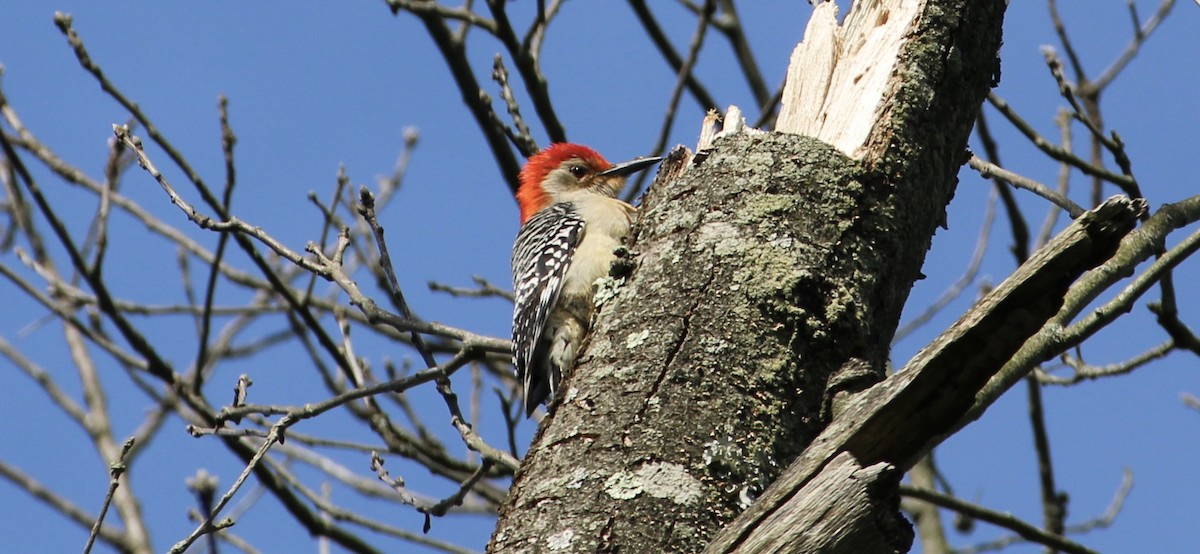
(770, 277)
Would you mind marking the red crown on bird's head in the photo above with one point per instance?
(531, 196)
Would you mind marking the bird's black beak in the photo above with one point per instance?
(631, 166)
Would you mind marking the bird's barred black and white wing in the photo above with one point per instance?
(541, 256)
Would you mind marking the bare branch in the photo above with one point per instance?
(1053, 151)
(1025, 530)
(731, 26)
(116, 470)
(987, 170)
(60, 504)
(484, 289)
(1088, 114)
(660, 40)
(529, 68)
(522, 139)
(1084, 371)
(1140, 34)
(454, 53)
(685, 71)
(1056, 337)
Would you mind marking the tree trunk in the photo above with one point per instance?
(772, 269)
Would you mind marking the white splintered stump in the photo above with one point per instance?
(841, 78)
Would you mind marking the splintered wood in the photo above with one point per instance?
(841, 77)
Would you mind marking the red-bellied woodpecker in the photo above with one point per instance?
(571, 225)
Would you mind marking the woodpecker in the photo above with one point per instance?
(571, 225)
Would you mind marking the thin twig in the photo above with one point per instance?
(1083, 371)
(1088, 114)
(1064, 180)
(483, 289)
(529, 68)
(228, 140)
(730, 25)
(290, 417)
(987, 169)
(1140, 34)
(64, 23)
(1055, 152)
(660, 40)
(1016, 218)
(999, 519)
(454, 52)
(522, 138)
(685, 71)
(116, 470)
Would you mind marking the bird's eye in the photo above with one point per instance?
(578, 171)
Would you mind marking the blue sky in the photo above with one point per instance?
(313, 86)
